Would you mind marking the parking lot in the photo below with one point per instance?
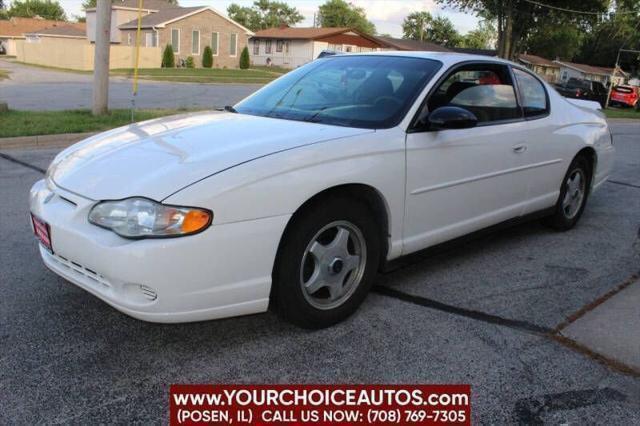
(485, 313)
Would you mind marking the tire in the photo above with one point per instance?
(318, 279)
(569, 207)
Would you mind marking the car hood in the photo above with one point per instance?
(156, 158)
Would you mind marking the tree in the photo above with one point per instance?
(190, 63)
(517, 18)
(264, 14)
(422, 26)
(245, 62)
(600, 46)
(414, 26)
(339, 13)
(555, 41)
(46, 9)
(168, 58)
(442, 31)
(483, 37)
(207, 57)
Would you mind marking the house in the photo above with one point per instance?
(291, 47)
(15, 29)
(188, 29)
(411, 45)
(589, 72)
(545, 68)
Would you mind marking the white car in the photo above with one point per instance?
(295, 197)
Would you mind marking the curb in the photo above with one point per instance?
(43, 141)
(623, 120)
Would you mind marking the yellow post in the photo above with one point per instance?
(135, 67)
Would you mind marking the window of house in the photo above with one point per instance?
(151, 39)
(129, 39)
(195, 42)
(233, 44)
(484, 89)
(175, 40)
(267, 47)
(532, 92)
(256, 47)
(279, 46)
(215, 43)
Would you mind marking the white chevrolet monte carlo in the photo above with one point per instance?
(295, 197)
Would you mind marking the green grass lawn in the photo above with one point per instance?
(622, 113)
(31, 123)
(260, 75)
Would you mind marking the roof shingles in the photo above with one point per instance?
(160, 17)
(18, 27)
(299, 33)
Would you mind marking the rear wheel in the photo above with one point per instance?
(326, 263)
(573, 195)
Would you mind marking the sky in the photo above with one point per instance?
(387, 15)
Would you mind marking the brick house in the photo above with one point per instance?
(188, 29)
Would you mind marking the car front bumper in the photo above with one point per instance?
(221, 272)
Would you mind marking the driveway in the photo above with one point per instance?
(34, 88)
(485, 313)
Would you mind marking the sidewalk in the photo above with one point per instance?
(612, 329)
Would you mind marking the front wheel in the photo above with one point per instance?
(326, 263)
(573, 196)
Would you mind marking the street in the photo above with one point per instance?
(483, 313)
(39, 89)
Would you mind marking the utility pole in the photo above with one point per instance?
(101, 57)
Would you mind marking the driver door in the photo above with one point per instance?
(463, 180)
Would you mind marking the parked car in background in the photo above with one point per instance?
(326, 53)
(583, 89)
(625, 96)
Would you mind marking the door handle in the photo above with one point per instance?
(519, 149)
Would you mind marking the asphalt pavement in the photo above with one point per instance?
(40, 89)
(485, 313)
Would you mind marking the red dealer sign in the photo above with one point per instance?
(320, 404)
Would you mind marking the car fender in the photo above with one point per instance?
(279, 184)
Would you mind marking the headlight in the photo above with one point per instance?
(143, 218)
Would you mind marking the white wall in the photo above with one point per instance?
(300, 53)
(118, 17)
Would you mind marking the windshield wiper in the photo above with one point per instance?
(314, 117)
(229, 108)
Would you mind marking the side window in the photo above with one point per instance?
(533, 94)
(484, 89)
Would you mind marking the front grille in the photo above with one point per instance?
(84, 271)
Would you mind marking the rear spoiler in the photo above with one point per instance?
(592, 105)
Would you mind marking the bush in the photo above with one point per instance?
(190, 63)
(168, 59)
(207, 57)
(245, 63)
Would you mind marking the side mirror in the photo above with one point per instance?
(451, 117)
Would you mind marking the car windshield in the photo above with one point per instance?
(356, 91)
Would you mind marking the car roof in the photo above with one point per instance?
(447, 58)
